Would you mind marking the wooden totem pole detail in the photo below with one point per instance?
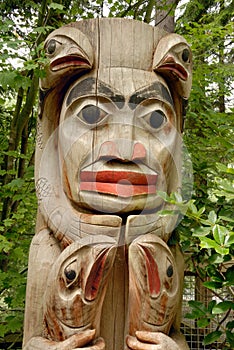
(101, 273)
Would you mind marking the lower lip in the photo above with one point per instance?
(122, 184)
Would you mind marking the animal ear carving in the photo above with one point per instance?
(173, 60)
(69, 51)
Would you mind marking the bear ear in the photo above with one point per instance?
(173, 60)
(69, 52)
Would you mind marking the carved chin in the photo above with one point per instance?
(108, 203)
(70, 330)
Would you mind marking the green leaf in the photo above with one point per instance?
(198, 308)
(214, 274)
(56, 6)
(223, 307)
(212, 217)
(219, 233)
(16, 183)
(230, 240)
(203, 322)
(230, 337)
(216, 258)
(193, 208)
(222, 250)
(201, 231)
(209, 243)
(164, 196)
(229, 274)
(230, 325)
(177, 197)
(14, 323)
(8, 222)
(226, 169)
(7, 79)
(212, 285)
(5, 245)
(2, 330)
(212, 337)
(211, 304)
(226, 218)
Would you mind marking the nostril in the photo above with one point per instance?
(139, 151)
(108, 150)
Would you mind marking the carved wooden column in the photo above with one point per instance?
(101, 274)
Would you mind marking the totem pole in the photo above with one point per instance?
(101, 273)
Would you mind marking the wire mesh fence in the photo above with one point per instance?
(193, 290)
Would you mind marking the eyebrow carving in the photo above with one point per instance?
(157, 89)
(91, 85)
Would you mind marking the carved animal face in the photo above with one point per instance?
(117, 141)
(154, 285)
(75, 290)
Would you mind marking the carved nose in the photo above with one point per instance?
(139, 152)
(117, 150)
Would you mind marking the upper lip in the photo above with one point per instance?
(136, 174)
(112, 176)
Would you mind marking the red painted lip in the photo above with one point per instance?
(170, 64)
(68, 61)
(119, 183)
(176, 68)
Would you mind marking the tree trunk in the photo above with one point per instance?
(164, 15)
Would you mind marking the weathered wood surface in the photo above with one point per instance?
(101, 275)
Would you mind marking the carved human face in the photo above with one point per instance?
(117, 141)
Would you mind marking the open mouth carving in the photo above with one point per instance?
(118, 183)
(170, 65)
(68, 61)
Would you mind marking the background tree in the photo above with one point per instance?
(209, 136)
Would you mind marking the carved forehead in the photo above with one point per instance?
(121, 85)
(121, 42)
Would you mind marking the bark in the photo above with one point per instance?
(164, 18)
(221, 84)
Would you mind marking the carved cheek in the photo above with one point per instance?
(162, 143)
(168, 129)
(72, 161)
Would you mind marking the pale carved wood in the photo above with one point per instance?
(101, 274)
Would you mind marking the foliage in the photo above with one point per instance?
(207, 229)
(207, 238)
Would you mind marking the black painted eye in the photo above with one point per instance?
(70, 275)
(51, 46)
(170, 271)
(157, 119)
(91, 114)
(185, 55)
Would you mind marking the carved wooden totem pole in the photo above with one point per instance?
(101, 274)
